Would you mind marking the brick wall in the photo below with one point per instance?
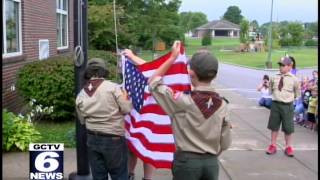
(38, 22)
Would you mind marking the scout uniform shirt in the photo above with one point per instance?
(289, 91)
(102, 106)
(194, 131)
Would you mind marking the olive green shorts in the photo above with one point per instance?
(281, 114)
(186, 166)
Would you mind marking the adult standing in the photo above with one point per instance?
(263, 87)
(285, 88)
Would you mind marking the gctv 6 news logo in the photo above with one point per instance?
(46, 161)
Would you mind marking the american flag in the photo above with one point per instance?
(148, 127)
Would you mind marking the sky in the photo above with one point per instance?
(260, 10)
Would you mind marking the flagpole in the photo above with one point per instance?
(115, 24)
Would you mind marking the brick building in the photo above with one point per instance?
(33, 30)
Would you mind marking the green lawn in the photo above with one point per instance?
(305, 56)
(57, 132)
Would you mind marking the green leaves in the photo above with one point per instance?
(50, 82)
(17, 132)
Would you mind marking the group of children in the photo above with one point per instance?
(306, 107)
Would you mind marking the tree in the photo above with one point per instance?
(140, 23)
(192, 20)
(311, 29)
(244, 31)
(233, 14)
(291, 34)
(206, 40)
(254, 24)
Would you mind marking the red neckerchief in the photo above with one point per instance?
(92, 85)
(203, 102)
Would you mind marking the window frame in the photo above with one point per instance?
(61, 12)
(5, 53)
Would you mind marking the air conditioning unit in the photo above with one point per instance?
(43, 49)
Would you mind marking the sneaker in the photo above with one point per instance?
(272, 149)
(289, 151)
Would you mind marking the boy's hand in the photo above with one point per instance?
(125, 94)
(176, 49)
(128, 53)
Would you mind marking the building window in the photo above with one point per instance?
(62, 24)
(11, 36)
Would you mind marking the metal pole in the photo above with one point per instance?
(81, 43)
(269, 63)
(115, 24)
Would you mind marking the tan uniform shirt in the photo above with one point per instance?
(192, 131)
(290, 90)
(104, 111)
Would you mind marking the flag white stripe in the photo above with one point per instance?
(155, 155)
(150, 117)
(151, 137)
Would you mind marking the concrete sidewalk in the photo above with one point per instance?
(245, 160)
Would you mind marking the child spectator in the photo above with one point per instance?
(266, 98)
(313, 103)
(300, 109)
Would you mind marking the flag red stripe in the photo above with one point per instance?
(155, 128)
(155, 163)
(176, 87)
(153, 64)
(163, 147)
(152, 108)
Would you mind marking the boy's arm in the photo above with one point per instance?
(297, 89)
(136, 60)
(123, 101)
(166, 65)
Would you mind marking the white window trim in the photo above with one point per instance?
(64, 12)
(5, 54)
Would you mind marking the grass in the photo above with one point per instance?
(305, 56)
(57, 132)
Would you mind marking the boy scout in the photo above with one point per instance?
(200, 125)
(284, 87)
(101, 106)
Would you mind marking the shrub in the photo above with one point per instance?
(206, 40)
(51, 82)
(311, 42)
(17, 132)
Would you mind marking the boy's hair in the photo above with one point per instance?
(266, 77)
(96, 68)
(95, 71)
(205, 66)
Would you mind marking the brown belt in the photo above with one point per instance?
(98, 133)
(284, 103)
(183, 154)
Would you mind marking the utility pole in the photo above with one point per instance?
(80, 61)
(269, 63)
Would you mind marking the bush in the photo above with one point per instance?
(206, 40)
(17, 132)
(51, 82)
(311, 42)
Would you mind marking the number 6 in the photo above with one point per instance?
(42, 159)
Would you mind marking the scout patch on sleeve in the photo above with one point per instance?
(207, 102)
